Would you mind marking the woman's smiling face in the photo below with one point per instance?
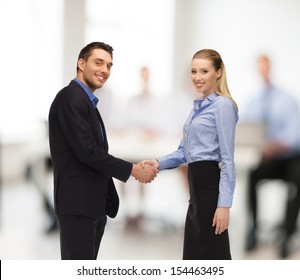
(204, 76)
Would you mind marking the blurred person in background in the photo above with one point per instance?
(141, 117)
(142, 114)
(208, 140)
(150, 118)
(280, 153)
(84, 190)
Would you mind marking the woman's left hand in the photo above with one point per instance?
(221, 219)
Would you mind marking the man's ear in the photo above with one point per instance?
(81, 64)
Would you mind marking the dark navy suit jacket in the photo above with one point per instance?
(83, 168)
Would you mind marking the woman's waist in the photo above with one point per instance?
(202, 153)
(204, 163)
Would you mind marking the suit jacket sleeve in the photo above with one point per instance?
(81, 130)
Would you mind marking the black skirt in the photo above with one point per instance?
(200, 240)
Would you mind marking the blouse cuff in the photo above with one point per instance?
(225, 201)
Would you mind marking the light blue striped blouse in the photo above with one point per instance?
(208, 134)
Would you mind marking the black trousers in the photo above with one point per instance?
(284, 169)
(80, 236)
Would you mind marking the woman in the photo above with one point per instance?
(208, 148)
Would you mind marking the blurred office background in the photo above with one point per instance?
(40, 42)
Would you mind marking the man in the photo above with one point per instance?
(280, 154)
(84, 191)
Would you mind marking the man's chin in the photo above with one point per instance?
(100, 85)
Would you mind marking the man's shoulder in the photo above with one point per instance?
(70, 95)
(73, 89)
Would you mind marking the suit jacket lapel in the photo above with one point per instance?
(98, 116)
(102, 127)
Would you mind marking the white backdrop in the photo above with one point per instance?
(143, 32)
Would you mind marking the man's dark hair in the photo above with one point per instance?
(86, 51)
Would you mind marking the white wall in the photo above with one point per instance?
(144, 32)
(31, 60)
(31, 73)
(141, 33)
(240, 30)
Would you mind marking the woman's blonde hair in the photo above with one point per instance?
(217, 62)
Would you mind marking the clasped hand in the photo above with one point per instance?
(145, 171)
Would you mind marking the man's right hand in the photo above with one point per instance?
(152, 162)
(144, 173)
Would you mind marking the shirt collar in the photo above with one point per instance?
(198, 102)
(211, 97)
(90, 94)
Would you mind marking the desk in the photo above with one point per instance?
(18, 148)
(134, 146)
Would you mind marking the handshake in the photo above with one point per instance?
(145, 171)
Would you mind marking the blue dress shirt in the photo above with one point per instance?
(209, 134)
(280, 113)
(91, 96)
(93, 99)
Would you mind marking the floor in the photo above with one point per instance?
(157, 236)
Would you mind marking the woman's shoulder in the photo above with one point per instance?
(224, 103)
(224, 100)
